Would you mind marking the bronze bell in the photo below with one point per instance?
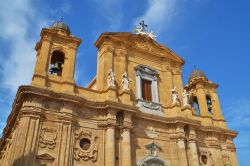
(55, 69)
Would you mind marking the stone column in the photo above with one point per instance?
(182, 154)
(193, 147)
(202, 101)
(126, 148)
(216, 105)
(65, 150)
(44, 56)
(110, 146)
(66, 146)
(41, 68)
(25, 141)
(69, 68)
(193, 152)
(24, 145)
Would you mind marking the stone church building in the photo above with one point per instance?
(135, 112)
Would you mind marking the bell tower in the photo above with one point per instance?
(205, 97)
(56, 55)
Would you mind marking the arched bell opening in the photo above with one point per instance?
(209, 104)
(56, 63)
(194, 103)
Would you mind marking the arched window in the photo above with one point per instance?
(195, 104)
(56, 63)
(209, 104)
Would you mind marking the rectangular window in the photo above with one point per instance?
(146, 90)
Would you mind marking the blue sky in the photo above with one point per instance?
(213, 35)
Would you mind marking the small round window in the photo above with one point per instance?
(204, 159)
(85, 144)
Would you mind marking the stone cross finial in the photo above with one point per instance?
(143, 25)
(141, 29)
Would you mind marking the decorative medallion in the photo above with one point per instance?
(86, 146)
(47, 138)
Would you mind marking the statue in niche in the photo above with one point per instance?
(111, 78)
(125, 81)
(175, 96)
(185, 96)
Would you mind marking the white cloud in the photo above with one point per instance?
(20, 26)
(237, 115)
(112, 11)
(159, 14)
(63, 7)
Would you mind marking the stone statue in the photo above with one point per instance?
(125, 81)
(175, 96)
(185, 96)
(111, 78)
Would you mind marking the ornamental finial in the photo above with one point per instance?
(142, 29)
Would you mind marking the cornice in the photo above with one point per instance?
(65, 37)
(24, 91)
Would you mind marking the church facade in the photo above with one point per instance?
(135, 112)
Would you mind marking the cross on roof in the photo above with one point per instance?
(143, 25)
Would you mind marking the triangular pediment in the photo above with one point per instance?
(45, 156)
(142, 43)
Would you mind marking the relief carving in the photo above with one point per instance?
(205, 157)
(47, 138)
(143, 44)
(86, 146)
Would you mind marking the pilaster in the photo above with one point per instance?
(110, 146)
(126, 141)
(182, 152)
(193, 147)
(67, 131)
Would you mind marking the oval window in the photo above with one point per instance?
(85, 144)
(204, 159)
